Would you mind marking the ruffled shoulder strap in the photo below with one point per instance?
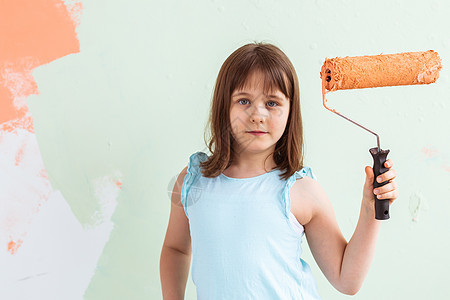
(306, 171)
(190, 192)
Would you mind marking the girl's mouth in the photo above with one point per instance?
(257, 133)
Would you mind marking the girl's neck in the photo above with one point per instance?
(245, 163)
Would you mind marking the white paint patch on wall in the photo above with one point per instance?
(25, 186)
(58, 258)
(45, 251)
(106, 190)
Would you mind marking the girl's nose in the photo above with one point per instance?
(258, 115)
(256, 120)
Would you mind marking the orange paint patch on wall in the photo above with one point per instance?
(433, 155)
(13, 246)
(32, 33)
(119, 184)
(446, 167)
(430, 153)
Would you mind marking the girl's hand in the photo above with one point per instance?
(387, 191)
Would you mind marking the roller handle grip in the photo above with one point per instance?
(381, 206)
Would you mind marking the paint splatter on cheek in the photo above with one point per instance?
(32, 33)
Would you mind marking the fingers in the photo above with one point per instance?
(389, 163)
(387, 191)
(387, 176)
(391, 196)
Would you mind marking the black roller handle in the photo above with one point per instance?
(381, 205)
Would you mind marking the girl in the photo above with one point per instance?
(245, 208)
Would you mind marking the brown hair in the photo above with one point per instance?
(280, 74)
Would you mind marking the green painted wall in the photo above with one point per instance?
(136, 99)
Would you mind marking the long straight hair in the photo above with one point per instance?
(279, 73)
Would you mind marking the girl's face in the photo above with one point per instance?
(252, 110)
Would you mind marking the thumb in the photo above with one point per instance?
(369, 174)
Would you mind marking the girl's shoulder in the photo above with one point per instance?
(307, 196)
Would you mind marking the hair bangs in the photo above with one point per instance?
(275, 77)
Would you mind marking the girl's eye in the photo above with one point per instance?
(276, 104)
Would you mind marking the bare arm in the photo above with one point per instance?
(174, 271)
(359, 252)
(361, 247)
(176, 251)
(344, 264)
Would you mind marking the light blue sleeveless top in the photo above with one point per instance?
(243, 243)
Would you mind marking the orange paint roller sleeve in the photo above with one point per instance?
(358, 72)
(380, 70)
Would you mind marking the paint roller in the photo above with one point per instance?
(360, 72)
